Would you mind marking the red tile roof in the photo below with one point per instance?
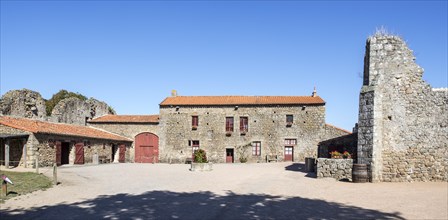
(42, 127)
(241, 100)
(332, 126)
(126, 119)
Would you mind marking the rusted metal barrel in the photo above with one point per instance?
(359, 173)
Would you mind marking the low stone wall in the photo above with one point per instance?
(335, 168)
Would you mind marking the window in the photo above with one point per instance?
(244, 124)
(195, 146)
(289, 120)
(256, 148)
(290, 142)
(194, 122)
(229, 124)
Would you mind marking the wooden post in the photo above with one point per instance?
(7, 154)
(55, 174)
(25, 154)
(37, 163)
(4, 188)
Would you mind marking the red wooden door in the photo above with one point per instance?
(229, 155)
(79, 153)
(122, 153)
(146, 148)
(289, 153)
(58, 153)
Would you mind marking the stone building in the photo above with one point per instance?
(143, 129)
(239, 128)
(22, 140)
(403, 122)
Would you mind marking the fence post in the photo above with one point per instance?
(37, 163)
(55, 174)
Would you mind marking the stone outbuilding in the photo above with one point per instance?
(143, 129)
(23, 140)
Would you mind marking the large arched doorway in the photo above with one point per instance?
(146, 148)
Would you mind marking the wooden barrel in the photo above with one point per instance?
(359, 173)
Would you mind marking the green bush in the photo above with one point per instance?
(200, 156)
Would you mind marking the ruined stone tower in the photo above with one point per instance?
(402, 125)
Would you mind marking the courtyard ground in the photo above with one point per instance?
(230, 191)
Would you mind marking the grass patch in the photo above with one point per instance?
(24, 183)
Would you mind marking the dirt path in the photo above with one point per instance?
(230, 191)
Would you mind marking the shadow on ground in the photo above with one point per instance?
(300, 167)
(198, 205)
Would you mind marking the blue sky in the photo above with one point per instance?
(131, 54)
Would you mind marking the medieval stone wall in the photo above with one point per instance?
(402, 131)
(23, 103)
(76, 111)
(129, 130)
(29, 104)
(267, 125)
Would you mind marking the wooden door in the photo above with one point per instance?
(229, 155)
(58, 153)
(289, 153)
(122, 153)
(146, 148)
(79, 153)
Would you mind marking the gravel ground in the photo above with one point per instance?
(230, 191)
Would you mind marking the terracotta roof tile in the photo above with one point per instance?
(332, 126)
(126, 119)
(241, 100)
(43, 127)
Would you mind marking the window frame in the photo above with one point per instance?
(194, 122)
(256, 148)
(244, 124)
(230, 123)
(289, 120)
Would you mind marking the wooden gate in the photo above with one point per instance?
(79, 153)
(122, 153)
(146, 148)
(289, 153)
(58, 153)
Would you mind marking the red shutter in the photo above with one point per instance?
(122, 153)
(79, 149)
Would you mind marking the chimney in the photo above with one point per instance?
(173, 93)
(314, 93)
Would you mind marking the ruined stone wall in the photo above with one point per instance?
(76, 111)
(23, 103)
(266, 125)
(29, 104)
(129, 130)
(403, 122)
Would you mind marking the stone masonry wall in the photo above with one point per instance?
(403, 122)
(338, 169)
(23, 103)
(129, 130)
(267, 125)
(76, 111)
(17, 154)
